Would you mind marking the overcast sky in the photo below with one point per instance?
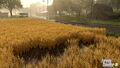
(26, 3)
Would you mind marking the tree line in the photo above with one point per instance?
(75, 7)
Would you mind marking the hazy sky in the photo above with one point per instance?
(26, 3)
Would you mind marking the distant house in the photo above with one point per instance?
(16, 12)
(3, 14)
(5, 11)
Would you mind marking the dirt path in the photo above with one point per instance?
(110, 28)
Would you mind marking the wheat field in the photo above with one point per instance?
(37, 43)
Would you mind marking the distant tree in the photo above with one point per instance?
(115, 4)
(88, 6)
(92, 4)
(57, 5)
(67, 6)
(1, 2)
(106, 2)
(11, 4)
(76, 6)
(73, 7)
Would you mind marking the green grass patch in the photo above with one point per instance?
(113, 34)
(114, 22)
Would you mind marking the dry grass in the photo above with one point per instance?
(34, 43)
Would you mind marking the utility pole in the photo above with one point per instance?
(92, 4)
(47, 15)
(47, 10)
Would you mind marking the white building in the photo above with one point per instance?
(38, 10)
